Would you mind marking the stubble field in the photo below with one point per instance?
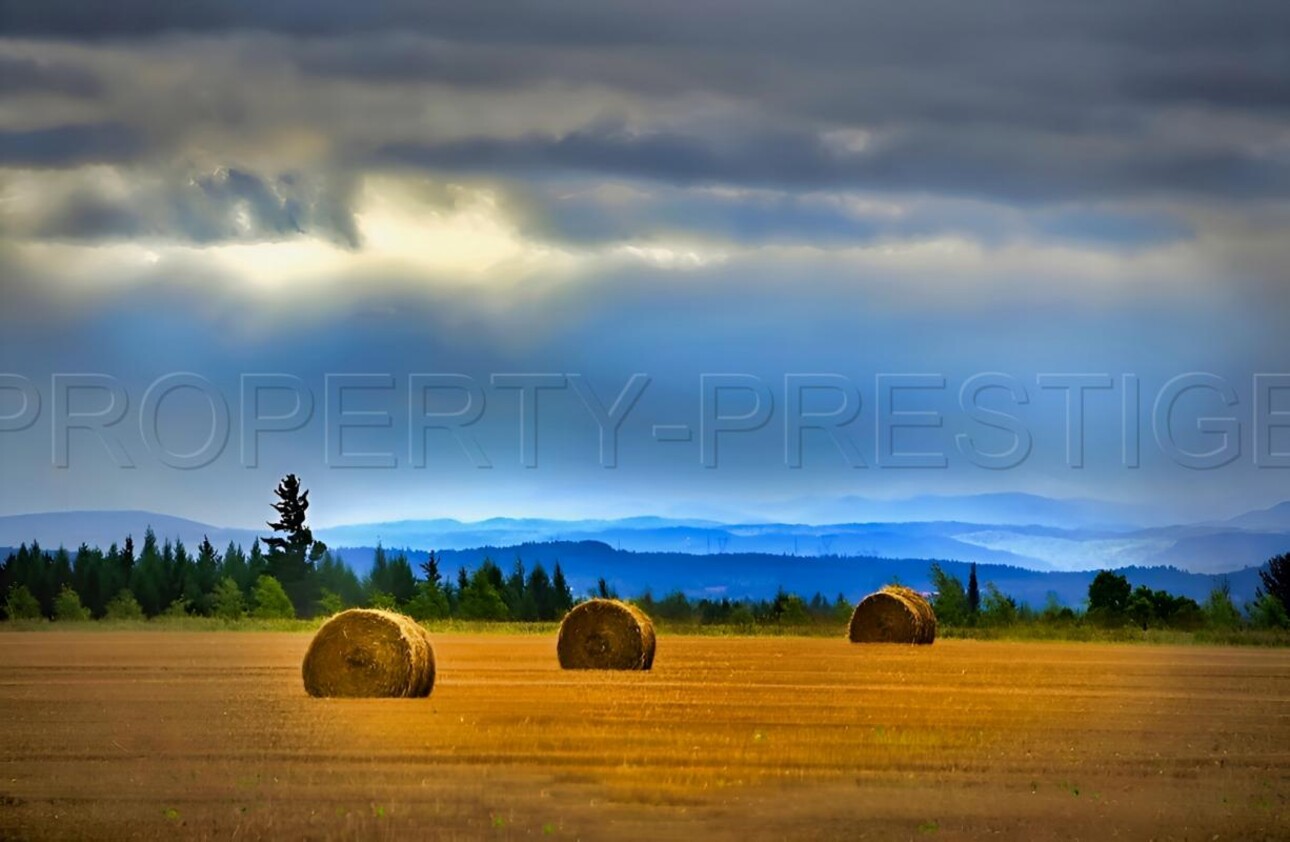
(210, 735)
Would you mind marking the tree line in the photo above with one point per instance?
(1113, 602)
(165, 578)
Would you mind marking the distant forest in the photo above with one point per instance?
(166, 579)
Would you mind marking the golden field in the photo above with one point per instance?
(211, 735)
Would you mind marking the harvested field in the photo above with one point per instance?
(158, 734)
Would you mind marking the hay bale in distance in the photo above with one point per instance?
(368, 653)
(606, 634)
(893, 615)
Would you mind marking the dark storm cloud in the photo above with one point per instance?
(581, 214)
(25, 75)
(229, 205)
(70, 145)
(938, 24)
(1005, 99)
(981, 162)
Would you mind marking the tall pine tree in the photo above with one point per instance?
(292, 548)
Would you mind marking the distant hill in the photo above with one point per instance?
(761, 574)
(1002, 508)
(104, 528)
(1202, 548)
(1275, 519)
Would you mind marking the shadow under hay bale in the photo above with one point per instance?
(893, 615)
(363, 653)
(605, 634)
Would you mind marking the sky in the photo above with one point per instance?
(769, 231)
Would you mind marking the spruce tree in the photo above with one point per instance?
(430, 570)
(973, 592)
(292, 549)
(563, 599)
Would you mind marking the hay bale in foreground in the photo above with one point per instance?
(606, 634)
(368, 653)
(893, 615)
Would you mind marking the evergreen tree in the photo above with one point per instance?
(182, 570)
(563, 595)
(234, 566)
(200, 588)
(521, 603)
(842, 609)
(335, 577)
(148, 577)
(379, 574)
(403, 583)
(256, 566)
(89, 575)
(430, 602)
(494, 573)
(674, 606)
(62, 568)
(292, 548)
(480, 599)
(430, 570)
(973, 593)
(392, 577)
(115, 576)
(543, 594)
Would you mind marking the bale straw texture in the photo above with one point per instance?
(368, 653)
(605, 634)
(893, 615)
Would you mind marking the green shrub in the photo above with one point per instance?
(430, 603)
(68, 607)
(271, 601)
(329, 602)
(123, 606)
(1220, 612)
(1267, 612)
(382, 601)
(21, 605)
(227, 602)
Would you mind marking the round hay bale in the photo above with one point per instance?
(893, 615)
(364, 653)
(606, 634)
